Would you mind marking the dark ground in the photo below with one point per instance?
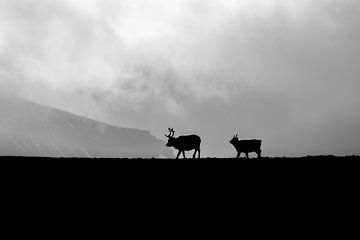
(320, 164)
(285, 160)
(261, 180)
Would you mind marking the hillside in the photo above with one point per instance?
(30, 129)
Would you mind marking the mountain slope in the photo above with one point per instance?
(30, 129)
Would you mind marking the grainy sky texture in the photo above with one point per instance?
(286, 71)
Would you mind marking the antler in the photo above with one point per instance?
(236, 136)
(168, 136)
(172, 132)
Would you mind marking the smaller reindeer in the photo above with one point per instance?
(184, 143)
(246, 146)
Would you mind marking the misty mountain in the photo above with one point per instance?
(31, 129)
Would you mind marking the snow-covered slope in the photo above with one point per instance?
(30, 129)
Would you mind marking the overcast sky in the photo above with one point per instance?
(285, 71)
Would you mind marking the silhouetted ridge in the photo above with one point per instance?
(30, 129)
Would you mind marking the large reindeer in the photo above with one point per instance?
(184, 143)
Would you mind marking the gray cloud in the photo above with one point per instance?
(265, 69)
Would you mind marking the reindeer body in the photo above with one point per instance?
(184, 143)
(246, 146)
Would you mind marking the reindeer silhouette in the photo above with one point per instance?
(246, 146)
(184, 143)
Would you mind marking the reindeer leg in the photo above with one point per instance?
(259, 154)
(178, 155)
(247, 155)
(199, 152)
(238, 155)
(184, 154)
(194, 156)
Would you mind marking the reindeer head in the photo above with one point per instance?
(235, 139)
(171, 138)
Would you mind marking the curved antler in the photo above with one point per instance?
(168, 136)
(171, 133)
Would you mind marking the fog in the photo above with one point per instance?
(283, 71)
